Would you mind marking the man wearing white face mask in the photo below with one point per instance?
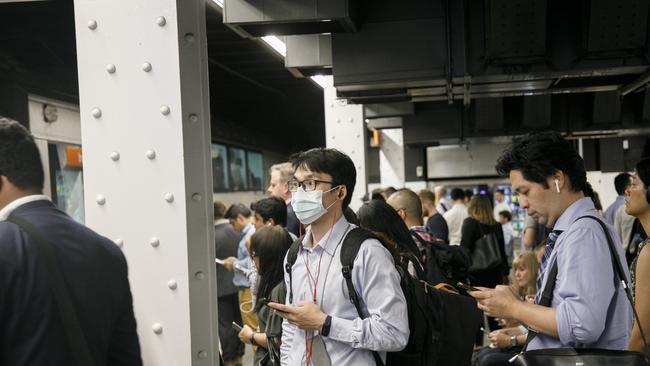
(322, 326)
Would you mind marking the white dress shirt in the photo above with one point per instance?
(455, 218)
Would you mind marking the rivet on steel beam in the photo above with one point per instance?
(333, 137)
(351, 120)
(189, 37)
(194, 118)
(196, 197)
(164, 110)
(146, 67)
(92, 24)
(331, 105)
(338, 120)
(161, 21)
(119, 242)
(100, 199)
(110, 68)
(358, 136)
(96, 112)
(172, 284)
(115, 156)
(352, 152)
(154, 242)
(203, 355)
(199, 275)
(150, 154)
(157, 328)
(169, 197)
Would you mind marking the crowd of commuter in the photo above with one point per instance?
(305, 280)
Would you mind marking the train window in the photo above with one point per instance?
(237, 165)
(255, 171)
(220, 181)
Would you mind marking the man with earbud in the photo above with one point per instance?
(587, 307)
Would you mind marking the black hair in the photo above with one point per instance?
(350, 216)
(539, 155)
(219, 209)
(380, 217)
(621, 182)
(20, 160)
(329, 161)
(643, 170)
(589, 192)
(469, 193)
(388, 191)
(236, 210)
(457, 194)
(506, 214)
(270, 245)
(271, 208)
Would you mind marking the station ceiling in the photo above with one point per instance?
(255, 102)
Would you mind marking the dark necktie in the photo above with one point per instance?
(550, 244)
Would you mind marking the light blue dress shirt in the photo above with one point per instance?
(243, 258)
(376, 281)
(592, 309)
(610, 212)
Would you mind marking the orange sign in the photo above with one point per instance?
(74, 157)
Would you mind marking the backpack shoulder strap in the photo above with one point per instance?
(349, 250)
(292, 255)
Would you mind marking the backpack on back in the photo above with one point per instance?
(427, 309)
(445, 263)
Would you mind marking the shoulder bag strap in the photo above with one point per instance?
(69, 320)
(292, 255)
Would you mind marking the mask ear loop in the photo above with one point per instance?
(557, 185)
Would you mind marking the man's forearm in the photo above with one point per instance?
(539, 318)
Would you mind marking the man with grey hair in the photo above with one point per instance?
(281, 174)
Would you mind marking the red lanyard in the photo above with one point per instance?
(309, 341)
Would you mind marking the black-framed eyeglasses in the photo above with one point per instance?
(307, 184)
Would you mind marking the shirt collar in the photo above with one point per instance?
(221, 222)
(13, 205)
(419, 229)
(581, 207)
(329, 244)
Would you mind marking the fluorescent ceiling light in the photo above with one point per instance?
(218, 2)
(323, 80)
(277, 44)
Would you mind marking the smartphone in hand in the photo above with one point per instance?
(466, 287)
(237, 327)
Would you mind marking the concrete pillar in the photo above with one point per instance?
(391, 158)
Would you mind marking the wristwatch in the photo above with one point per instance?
(513, 341)
(325, 331)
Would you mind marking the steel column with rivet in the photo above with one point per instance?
(150, 193)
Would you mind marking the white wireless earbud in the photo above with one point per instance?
(557, 186)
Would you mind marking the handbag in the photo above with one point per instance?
(486, 254)
(69, 320)
(584, 356)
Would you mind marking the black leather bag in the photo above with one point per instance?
(486, 254)
(584, 356)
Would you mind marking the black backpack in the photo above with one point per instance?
(428, 309)
(445, 263)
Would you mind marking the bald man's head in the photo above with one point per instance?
(407, 201)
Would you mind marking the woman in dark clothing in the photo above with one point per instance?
(379, 217)
(481, 222)
(268, 247)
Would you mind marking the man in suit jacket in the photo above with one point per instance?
(281, 174)
(93, 268)
(226, 241)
